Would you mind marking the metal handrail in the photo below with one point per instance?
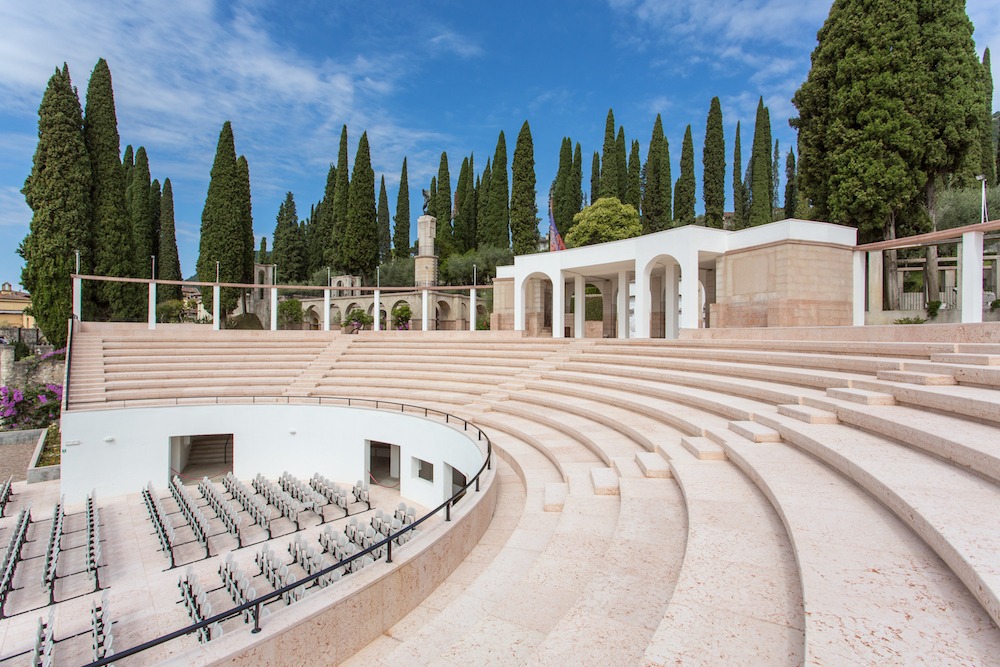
(258, 602)
(69, 353)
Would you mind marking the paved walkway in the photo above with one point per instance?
(14, 460)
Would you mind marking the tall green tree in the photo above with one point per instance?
(775, 177)
(633, 190)
(684, 192)
(714, 167)
(576, 187)
(401, 228)
(465, 205)
(445, 234)
(432, 197)
(263, 256)
(114, 251)
(221, 242)
(791, 189)
(155, 195)
(334, 256)
(320, 239)
(657, 190)
(523, 196)
(246, 219)
(761, 192)
(483, 199)
(739, 191)
(58, 192)
(986, 139)
(140, 209)
(360, 242)
(562, 196)
(621, 157)
(496, 227)
(605, 220)
(612, 162)
(128, 164)
(168, 262)
(289, 251)
(384, 236)
(595, 177)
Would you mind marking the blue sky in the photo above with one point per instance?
(419, 77)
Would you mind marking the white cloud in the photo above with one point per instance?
(14, 213)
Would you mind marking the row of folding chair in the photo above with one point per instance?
(312, 561)
(301, 492)
(278, 574)
(361, 494)
(257, 508)
(195, 517)
(406, 514)
(288, 507)
(224, 509)
(45, 641)
(161, 524)
(6, 493)
(333, 492)
(53, 548)
(101, 638)
(94, 557)
(238, 584)
(12, 557)
(196, 602)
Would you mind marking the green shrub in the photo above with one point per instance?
(909, 320)
(170, 311)
(247, 321)
(932, 309)
(401, 316)
(358, 319)
(289, 314)
(50, 455)
(994, 305)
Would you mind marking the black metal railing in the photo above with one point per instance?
(257, 603)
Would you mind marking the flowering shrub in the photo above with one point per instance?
(401, 316)
(34, 407)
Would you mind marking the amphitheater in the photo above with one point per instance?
(765, 496)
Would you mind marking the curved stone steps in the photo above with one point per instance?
(738, 599)
(484, 358)
(841, 345)
(376, 383)
(864, 574)
(975, 402)
(952, 510)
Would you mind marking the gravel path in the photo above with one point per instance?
(14, 460)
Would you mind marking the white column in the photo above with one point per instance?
(377, 311)
(151, 306)
(472, 309)
(519, 307)
(642, 306)
(216, 292)
(622, 305)
(671, 287)
(971, 266)
(858, 293)
(690, 303)
(424, 308)
(274, 309)
(559, 306)
(580, 309)
(78, 299)
(875, 288)
(326, 310)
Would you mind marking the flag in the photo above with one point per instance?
(555, 239)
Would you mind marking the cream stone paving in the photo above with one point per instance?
(865, 576)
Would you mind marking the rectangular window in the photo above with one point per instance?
(423, 469)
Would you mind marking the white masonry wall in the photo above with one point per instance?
(117, 452)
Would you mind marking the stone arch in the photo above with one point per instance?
(311, 318)
(335, 314)
(662, 274)
(443, 315)
(536, 302)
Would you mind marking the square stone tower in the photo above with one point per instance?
(425, 266)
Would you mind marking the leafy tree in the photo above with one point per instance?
(465, 207)
(657, 204)
(114, 253)
(341, 192)
(775, 180)
(360, 242)
(605, 220)
(432, 198)
(384, 237)
(483, 199)
(986, 140)
(739, 191)
(244, 204)
(289, 250)
(562, 193)
(222, 226)
(128, 164)
(263, 256)
(684, 191)
(595, 177)
(320, 239)
(155, 196)
(290, 314)
(633, 190)
(761, 192)
(58, 192)
(621, 157)
(401, 228)
(611, 177)
(444, 240)
(140, 209)
(397, 273)
(168, 263)
(791, 189)
(495, 230)
(714, 167)
(576, 182)
(479, 264)
(523, 205)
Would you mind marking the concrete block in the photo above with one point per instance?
(755, 432)
(555, 496)
(703, 449)
(652, 464)
(863, 396)
(605, 481)
(807, 414)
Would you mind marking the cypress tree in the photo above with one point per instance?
(714, 167)
(222, 226)
(320, 240)
(114, 252)
(58, 192)
(576, 182)
(739, 191)
(562, 195)
(657, 188)
(621, 158)
(761, 192)
(289, 247)
(263, 256)
(775, 180)
(167, 261)
(483, 199)
(360, 246)
(497, 220)
(684, 193)
(246, 218)
(465, 208)
(432, 190)
(595, 178)
(791, 190)
(609, 164)
(523, 205)
(141, 213)
(401, 230)
(988, 168)
(155, 196)
(445, 238)
(633, 191)
(384, 237)
(334, 254)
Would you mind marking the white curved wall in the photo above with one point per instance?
(117, 451)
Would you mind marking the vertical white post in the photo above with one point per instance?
(875, 289)
(78, 299)
(377, 311)
(472, 309)
(622, 305)
(858, 293)
(326, 308)
(216, 291)
(579, 308)
(151, 307)
(559, 306)
(520, 287)
(671, 305)
(642, 303)
(274, 308)
(971, 259)
(424, 311)
(690, 301)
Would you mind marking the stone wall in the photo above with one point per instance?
(29, 371)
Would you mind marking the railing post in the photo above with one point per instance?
(447, 511)
(388, 553)
(216, 292)
(477, 484)
(377, 311)
(274, 309)
(151, 308)
(472, 309)
(78, 299)
(326, 310)
(971, 268)
(256, 619)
